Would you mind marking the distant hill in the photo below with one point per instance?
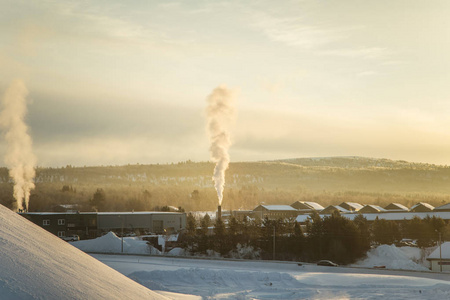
(325, 180)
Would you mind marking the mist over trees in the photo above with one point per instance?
(248, 184)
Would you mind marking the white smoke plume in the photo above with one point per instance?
(19, 158)
(220, 114)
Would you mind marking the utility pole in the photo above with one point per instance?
(120, 217)
(440, 251)
(274, 242)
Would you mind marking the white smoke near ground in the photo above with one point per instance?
(19, 157)
(220, 114)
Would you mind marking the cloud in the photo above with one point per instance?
(293, 31)
(396, 135)
(79, 131)
(366, 53)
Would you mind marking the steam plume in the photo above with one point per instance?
(19, 157)
(220, 113)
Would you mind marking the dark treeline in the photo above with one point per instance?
(334, 237)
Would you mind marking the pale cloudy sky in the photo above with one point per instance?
(117, 82)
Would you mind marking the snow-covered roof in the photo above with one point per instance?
(279, 207)
(355, 205)
(314, 205)
(138, 213)
(397, 206)
(393, 216)
(59, 213)
(445, 249)
(376, 207)
(443, 207)
(423, 204)
(337, 207)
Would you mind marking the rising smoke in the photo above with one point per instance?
(19, 158)
(220, 113)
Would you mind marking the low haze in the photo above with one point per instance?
(113, 82)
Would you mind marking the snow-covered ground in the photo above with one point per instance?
(243, 279)
(224, 279)
(397, 258)
(35, 264)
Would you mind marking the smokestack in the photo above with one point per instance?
(219, 212)
(19, 158)
(220, 113)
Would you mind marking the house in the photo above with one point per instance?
(307, 206)
(440, 258)
(371, 209)
(422, 207)
(275, 212)
(445, 207)
(396, 207)
(351, 206)
(332, 208)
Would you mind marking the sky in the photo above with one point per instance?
(118, 82)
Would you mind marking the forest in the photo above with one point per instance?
(333, 237)
(248, 184)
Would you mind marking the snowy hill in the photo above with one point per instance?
(38, 265)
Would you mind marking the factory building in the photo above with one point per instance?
(93, 224)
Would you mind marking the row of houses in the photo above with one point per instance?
(94, 224)
(302, 209)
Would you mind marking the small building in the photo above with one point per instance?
(275, 212)
(332, 208)
(307, 207)
(351, 206)
(372, 209)
(396, 207)
(422, 207)
(445, 207)
(440, 258)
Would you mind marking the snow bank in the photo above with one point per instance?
(111, 243)
(177, 252)
(392, 257)
(35, 264)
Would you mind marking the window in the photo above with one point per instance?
(46, 222)
(61, 221)
(61, 233)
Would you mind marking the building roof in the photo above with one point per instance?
(335, 207)
(314, 205)
(443, 207)
(431, 207)
(375, 207)
(391, 216)
(278, 207)
(397, 206)
(445, 249)
(139, 213)
(352, 205)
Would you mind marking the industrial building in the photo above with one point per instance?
(93, 224)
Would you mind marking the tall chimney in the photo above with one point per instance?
(219, 212)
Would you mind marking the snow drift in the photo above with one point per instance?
(391, 257)
(35, 264)
(111, 243)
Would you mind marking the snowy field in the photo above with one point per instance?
(405, 274)
(220, 279)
